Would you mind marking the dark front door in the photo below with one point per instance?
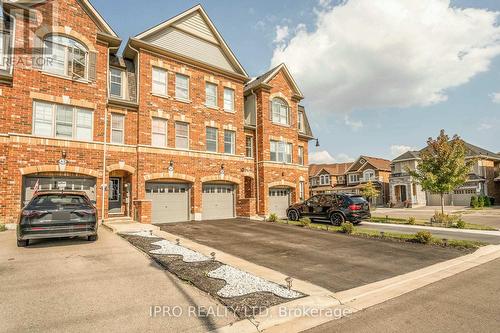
(115, 195)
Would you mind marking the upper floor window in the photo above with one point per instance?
(65, 56)
(249, 146)
(353, 178)
(116, 82)
(212, 139)
(229, 142)
(340, 179)
(300, 122)
(62, 121)
(228, 99)
(324, 179)
(281, 151)
(369, 174)
(210, 94)
(280, 112)
(182, 135)
(301, 155)
(159, 132)
(181, 86)
(117, 128)
(160, 79)
(3, 53)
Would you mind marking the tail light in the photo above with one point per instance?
(84, 212)
(33, 213)
(355, 207)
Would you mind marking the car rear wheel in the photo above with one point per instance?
(337, 218)
(22, 242)
(293, 215)
(92, 238)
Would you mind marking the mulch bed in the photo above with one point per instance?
(196, 273)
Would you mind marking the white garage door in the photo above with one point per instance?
(279, 200)
(68, 183)
(218, 201)
(170, 202)
(435, 199)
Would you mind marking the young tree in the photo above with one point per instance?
(370, 192)
(443, 166)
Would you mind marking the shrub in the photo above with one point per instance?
(487, 202)
(305, 222)
(273, 218)
(460, 224)
(411, 220)
(2, 227)
(440, 218)
(347, 228)
(474, 203)
(423, 237)
(480, 201)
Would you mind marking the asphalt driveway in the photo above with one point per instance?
(74, 285)
(333, 261)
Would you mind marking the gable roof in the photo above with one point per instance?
(336, 169)
(187, 33)
(409, 155)
(377, 163)
(267, 77)
(98, 19)
(478, 151)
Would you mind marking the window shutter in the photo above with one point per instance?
(271, 110)
(38, 46)
(92, 66)
(131, 81)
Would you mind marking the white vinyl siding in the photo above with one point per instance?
(280, 112)
(281, 152)
(159, 132)
(212, 134)
(117, 128)
(229, 99)
(182, 135)
(210, 94)
(181, 87)
(229, 142)
(160, 81)
(116, 82)
(62, 121)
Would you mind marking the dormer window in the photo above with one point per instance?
(324, 179)
(368, 175)
(65, 56)
(280, 112)
(116, 82)
(300, 122)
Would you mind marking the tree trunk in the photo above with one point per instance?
(442, 203)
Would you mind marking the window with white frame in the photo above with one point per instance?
(228, 99)
(300, 121)
(65, 56)
(324, 179)
(301, 191)
(117, 128)
(62, 121)
(182, 135)
(181, 86)
(249, 146)
(116, 82)
(212, 139)
(210, 94)
(369, 174)
(159, 81)
(353, 178)
(159, 132)
(3, 54)
(281, 151)
(301, 155)
(229, 142)
(280, 111)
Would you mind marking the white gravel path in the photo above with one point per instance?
(141, 233)
(240, 283)
(171, 248)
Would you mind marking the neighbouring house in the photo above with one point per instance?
(172, 129)
(352, 177)
(483, 180)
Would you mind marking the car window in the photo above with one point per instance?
(357, 200)
(313, 200)
(54, 200)
(326, 200)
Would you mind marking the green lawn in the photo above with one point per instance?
(396, 220)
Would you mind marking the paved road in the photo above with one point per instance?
(438, 233)
(466, 302)
(333, 261)
(106, 286)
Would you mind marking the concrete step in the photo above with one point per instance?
(124, 219)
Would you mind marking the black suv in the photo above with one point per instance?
(336, 208)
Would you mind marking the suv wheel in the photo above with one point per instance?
(293, 215)
(337, 218)
(92, 238)
(22, 242)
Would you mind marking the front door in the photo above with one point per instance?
(115, 195)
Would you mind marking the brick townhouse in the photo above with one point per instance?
(171, 130)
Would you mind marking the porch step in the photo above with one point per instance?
(124, 219)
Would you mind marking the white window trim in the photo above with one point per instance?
(368, 171)
(165, 93)
(233, 100)
(74, 124)
(277, 152)
(184, 99)
(122, 82)
(251, 146)
(115, 129)
(284, 103)
(3, 54)
(216, 139)
(215, 106)
(188, 134)
(300, 156)
(300, 122)
(66, 65)
(351, 180)
(166, 132)
(233, 143)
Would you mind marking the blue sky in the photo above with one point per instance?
(250, 28)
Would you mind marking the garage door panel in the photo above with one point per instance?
(279, 201)
(169, 201)
(218, 202)
(68, 183)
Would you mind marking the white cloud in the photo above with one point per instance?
(353, 124)
(397, 150)
(391, 53)
(484, 126)
(495, 97)
(323, 156)
(281, 33)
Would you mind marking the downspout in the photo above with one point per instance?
(105, 147)
(137, 95)
(256, 154)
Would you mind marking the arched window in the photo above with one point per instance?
(280, 112)
(65, 56)
(369, 174)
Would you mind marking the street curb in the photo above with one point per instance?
(465, 231)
